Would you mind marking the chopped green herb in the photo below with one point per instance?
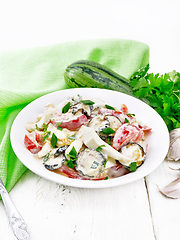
(46, 133)
(94, 165)
(100, 148)
(38, 128)
(106, 178)
(133, 167)
(46, 157)
(72, 137)
(105, 162)
(66, 108)
(73, 112)
(46, 136)
(87, 102)
(131, 115)
(79, 96)
(72, 155)
(59, 126)
(108, 131)
(45, 127)
(109, 107)
(53, 140)
(73, 152)
(108, 141)
(70, 163)
(126, 120)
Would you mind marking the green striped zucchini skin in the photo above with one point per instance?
(86, 73)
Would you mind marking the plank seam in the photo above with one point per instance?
(148, 196)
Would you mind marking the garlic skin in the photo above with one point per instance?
(174, 147)
(172, 190)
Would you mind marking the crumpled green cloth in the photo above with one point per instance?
(30, 73)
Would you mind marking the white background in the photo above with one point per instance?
(133, 211)
(38, 23)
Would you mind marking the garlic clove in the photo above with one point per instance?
(174, 148)
(172, 190)
(175, 169)
(175, 133)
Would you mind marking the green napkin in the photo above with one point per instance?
(30, 73)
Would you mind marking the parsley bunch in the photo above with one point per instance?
(161, 92)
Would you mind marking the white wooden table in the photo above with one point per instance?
(133, 211)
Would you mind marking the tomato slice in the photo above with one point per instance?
(124, 109)
(110, 111)
(72, 173)
(75, 122)
(145, 128)
(117, 171)
(72, 123)
(126, 133)
(33, 142)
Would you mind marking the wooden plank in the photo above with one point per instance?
(165, 211)
(53, 211)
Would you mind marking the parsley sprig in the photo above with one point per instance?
(162, 92)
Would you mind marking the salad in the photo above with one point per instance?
(85, 138)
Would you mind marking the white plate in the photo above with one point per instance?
(158, 140)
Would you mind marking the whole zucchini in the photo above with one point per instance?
(86, 73)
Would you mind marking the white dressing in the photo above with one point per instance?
(92, 140)
(45, 149)
(77, 144)
(61, 105)
(60, 134)
(134, 153)
(97, 102)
